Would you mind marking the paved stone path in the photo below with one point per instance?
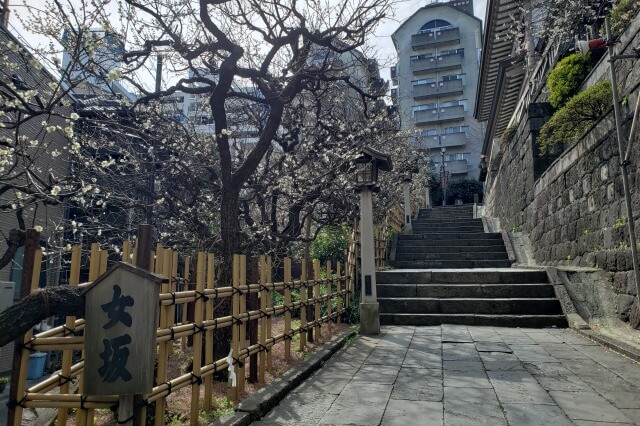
(459, 375)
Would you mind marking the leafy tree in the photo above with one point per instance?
(622, 14)
(330, 244)
(463, 189)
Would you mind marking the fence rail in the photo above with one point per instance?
(64, 389)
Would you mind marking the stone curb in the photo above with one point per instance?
(613, 344)
(260, 403)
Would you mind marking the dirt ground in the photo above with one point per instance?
(179, 402)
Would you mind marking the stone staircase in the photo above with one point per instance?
(451, 272)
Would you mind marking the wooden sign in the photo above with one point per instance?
(120, 331)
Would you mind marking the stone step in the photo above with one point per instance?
(525, 321)
(466, 290)
(453, 236)
(461, 277)
(454, 256)
(447, 220)
(472, 242)
(422, 229)
(508, 306)
(405, 248)
(451, 264)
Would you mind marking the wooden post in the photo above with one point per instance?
(197, 340)
(254, 304)
(243, 328)
(208, 341)
(29, 282)
(287, 312)
(173, 287)
(338, 291)
(303, 305)
(143, 258)
(316, 295)
(263, 321)
(269, 274)
(329, 288)
(310, 311)
(235, 329)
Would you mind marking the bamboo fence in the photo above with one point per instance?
(63, 389)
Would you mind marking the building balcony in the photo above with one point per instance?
(441, 88)
(437, 63)
(438, 115)
(457, 167)
(435, 38)
(445, 141)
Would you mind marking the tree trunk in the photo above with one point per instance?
(231, 239)
(38, 306)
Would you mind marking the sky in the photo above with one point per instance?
(380, 42)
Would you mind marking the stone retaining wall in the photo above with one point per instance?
(574, 211)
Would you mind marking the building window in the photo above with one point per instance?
(454, 130)
(422, 56)
(436, 24)
(452, 77)
(449, 104)
(430, 132)
(423, 82)
(425, 107)
(453, 52)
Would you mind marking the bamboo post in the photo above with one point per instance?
(316, 298)
(183, 313)
(208, 341)
(310, 312)
(163, 262)
(126, 251)
(339, 300)
(287, 312)
(263, 321)
(243, 328)
(67, 355)
(235, 329)
(29, 282)
(269, 321)
(329, 288)
(254, 304)
(95, 268)
(197, 339)
(173, 287)
(303, 305)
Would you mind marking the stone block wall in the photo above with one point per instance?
(574, 211)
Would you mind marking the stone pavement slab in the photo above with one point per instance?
(463, 375)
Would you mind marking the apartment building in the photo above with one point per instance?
(436, 81)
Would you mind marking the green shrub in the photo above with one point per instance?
(569, 123)
(463, 189)
(566, 77)
(622, 14)
(330, 244)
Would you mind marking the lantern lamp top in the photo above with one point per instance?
(383, 161)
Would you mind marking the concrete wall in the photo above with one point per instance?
(574, 211)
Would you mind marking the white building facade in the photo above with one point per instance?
(436, 78)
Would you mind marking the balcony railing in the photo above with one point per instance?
(437, 63)
(445, 141)
(458, 167)
(441, 114)
(430, 90)
(435, 38)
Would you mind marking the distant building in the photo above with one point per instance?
(49, 157)
(436, 81)
(89, 75)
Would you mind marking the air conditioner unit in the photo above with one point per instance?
(6, 294)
